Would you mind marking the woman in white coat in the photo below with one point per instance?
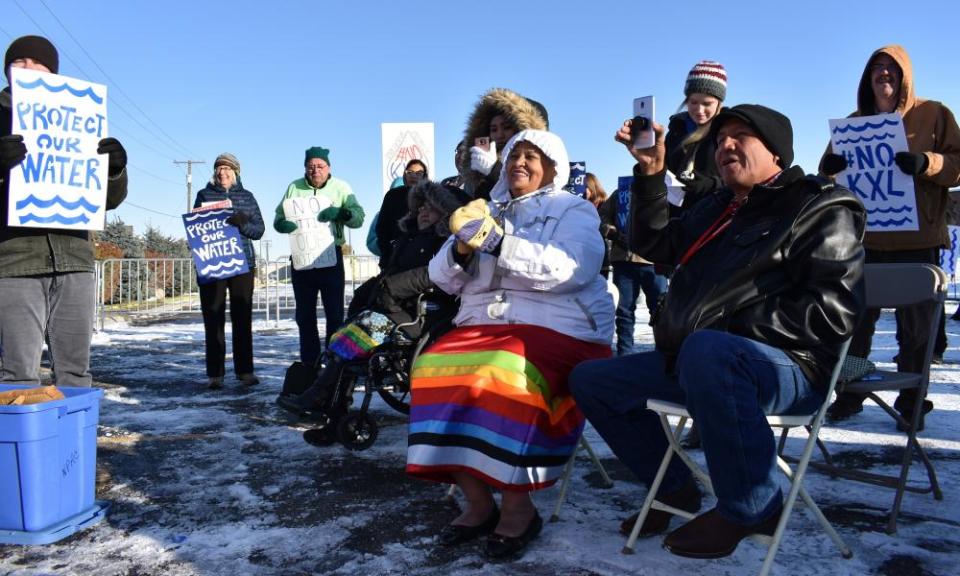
(490, 407)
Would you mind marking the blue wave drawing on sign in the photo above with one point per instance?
(56, 218)
(56, 200)
(865, 126)
(889, 223)
(232, 263)
(225, 272)
(890, 210)
(204, 213)
(41, 83)
(883, 136)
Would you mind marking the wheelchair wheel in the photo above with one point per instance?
(357, 431)
(396, 398)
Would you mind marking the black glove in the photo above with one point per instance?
(118, 156)
(832, 164)
(12, 151)
(700, 185)
(911, 163)
(334, 214)
(238, 219)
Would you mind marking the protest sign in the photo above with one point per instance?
(216, 246)
(312, 243)
(62, 183)
(577, 184)
(623, 202)
(869, 144)
(403, 142)
(948, 256)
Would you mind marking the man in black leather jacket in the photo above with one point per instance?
(768, 284)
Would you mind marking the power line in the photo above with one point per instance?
(112, 81)
(128, 203)
(152, 175)
(117, 103)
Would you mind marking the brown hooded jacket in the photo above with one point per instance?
(931, 129)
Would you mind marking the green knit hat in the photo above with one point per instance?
(318, 152)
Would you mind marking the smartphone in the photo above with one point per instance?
(482, 142)
(644, 138)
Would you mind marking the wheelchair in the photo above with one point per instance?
(386, 372)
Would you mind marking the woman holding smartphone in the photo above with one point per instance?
(498, 115)
(689, 152)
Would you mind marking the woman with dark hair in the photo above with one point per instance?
(394, 207)
(490, 407)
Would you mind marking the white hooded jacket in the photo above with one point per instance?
(548, 270)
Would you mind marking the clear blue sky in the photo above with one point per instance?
(266, 80)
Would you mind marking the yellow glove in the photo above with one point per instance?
(473, 225)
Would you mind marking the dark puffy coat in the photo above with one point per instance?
(404, 276)
(701, 154)
(787, 272)
(243, 201)
(394, 207)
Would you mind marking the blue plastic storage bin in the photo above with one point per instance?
(48, 462)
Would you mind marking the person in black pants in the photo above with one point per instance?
(225, 185)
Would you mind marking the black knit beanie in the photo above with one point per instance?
(771, 126)
(34, 47)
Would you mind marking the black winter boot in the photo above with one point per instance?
(317, 397)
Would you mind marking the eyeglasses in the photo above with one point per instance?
(881, 66)
(316, 168)
(412, 172)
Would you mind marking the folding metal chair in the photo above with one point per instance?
(568, 471)
(896, 286)
(667, 409)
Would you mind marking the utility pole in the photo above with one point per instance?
(189, 164)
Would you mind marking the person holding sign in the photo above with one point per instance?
(489, 402)
(689, 151)
(46, 274)
(225, 186)
(342, 210)
(768, 285)
(933, 162)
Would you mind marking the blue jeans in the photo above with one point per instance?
(630, 278)
(728, 384)
(329, 282)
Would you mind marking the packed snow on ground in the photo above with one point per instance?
(221, 483)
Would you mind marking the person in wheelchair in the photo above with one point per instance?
(384, 303)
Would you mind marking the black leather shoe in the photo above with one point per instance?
(451, 535)
(500, 547)
(311, 400)
(843, 408)
(324, 436)
(686, 498)
(905, 409)
(712, 536)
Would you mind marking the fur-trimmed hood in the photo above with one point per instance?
(523, 113)
(445, 199)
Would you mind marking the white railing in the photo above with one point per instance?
(158, 287)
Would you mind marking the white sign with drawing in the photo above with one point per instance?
(62, 183)
(869, 144)
(403, 142)
(312, 243)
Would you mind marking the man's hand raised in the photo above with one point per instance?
(650, 160)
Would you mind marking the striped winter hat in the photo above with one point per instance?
(707, 77)
(229, 160)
